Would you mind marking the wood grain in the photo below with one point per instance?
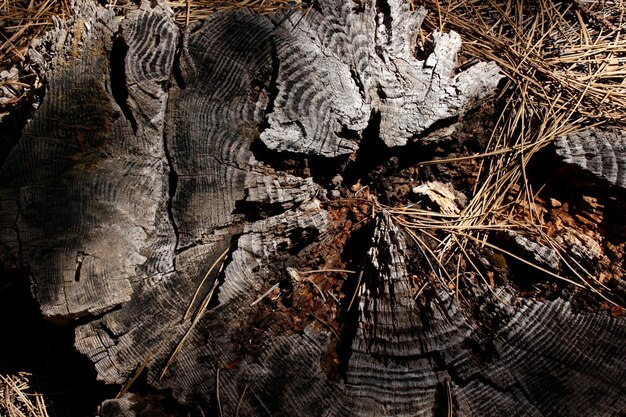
(600, 151)
(154, 203)
(340, 67)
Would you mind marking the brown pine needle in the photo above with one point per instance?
(195, 321)
(17, 398)
(217, 392)
(326, 324)
(243, 394)
(319, 271)
(138, 372)
(217, 261)
(265, 294)
(356, 290)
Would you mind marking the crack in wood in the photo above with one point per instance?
(79, 264)
(338, 99)
(119, 88)
(384, 19)
(172, 178)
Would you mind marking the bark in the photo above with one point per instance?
(169, 180)
(598, 151)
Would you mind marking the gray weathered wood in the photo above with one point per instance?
(140, 203)
(73, 185)
(341, 66)
(598, 150)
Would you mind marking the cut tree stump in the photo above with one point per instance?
(175, 193)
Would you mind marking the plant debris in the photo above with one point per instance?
(17, 398)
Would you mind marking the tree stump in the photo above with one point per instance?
(176, 192)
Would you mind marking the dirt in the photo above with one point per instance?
(312, 292)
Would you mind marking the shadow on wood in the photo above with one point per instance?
(136, 199)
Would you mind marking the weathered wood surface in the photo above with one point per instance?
(145, 175)
(600, 151)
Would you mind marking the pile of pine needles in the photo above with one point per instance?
(21, 21)
(565, 68)
(17, 398)
(187, 11)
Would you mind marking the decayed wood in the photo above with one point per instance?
(393, 365)
(339, 67)
(73, 185)
(137, 201)
(598, 150)
(427, 356)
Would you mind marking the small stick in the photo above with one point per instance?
(449, 398)
(217, 392)
(318, 288)
(334, 297)
(135, 376)
(187, 14)
(421, 290)
(195, 321)
(195, 295)
(240, 400)
(316, 271)
(356, 290)
(268, 292)
(325, 324)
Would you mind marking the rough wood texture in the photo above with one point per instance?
(392, 368)
(598, 150)
(541, 255)
(532, 371)
(86, 163)
(145, 199)
(340, 67)
(119, 407)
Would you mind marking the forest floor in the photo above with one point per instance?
(505, 188)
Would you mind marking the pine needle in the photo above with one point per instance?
(17, 398)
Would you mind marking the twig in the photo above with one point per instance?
(449, 405)
(138, 372)
(217, 392)
(325, 324)
(423, 287)
(317, 271)
(206, 276)
(240, 400)
(356, 290)
(318, 288)
(195, 321)
(265, 294)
